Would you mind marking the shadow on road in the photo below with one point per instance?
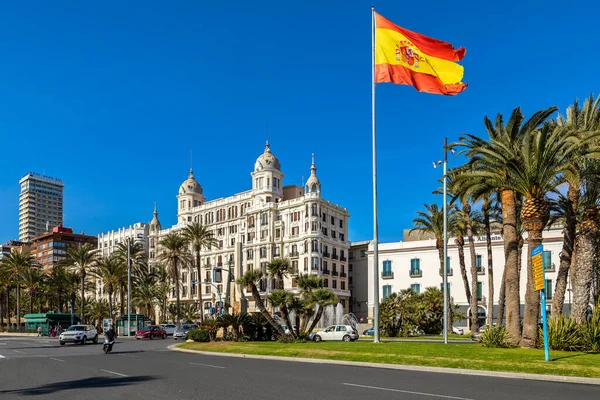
(128, 352)
(80, 383)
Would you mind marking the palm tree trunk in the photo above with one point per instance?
(176, 270)
(30, 302)
(490, 269)
(583, 273)
(261, 307)
(532, 297)
(82, 307)
(460, 243)
(568, 250)
(1, 312)
(286, 315)
(511, 269)
(110, 302)
(501, 300)
(18, 306)
(8, 305)
(318, 316)
(122, 299)
(199, 286)
(473, 300)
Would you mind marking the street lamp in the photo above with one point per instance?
(129, 287)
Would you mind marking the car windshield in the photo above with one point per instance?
(76, 328)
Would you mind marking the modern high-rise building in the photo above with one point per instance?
(40, 205)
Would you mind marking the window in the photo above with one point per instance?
(350, 280)
(218, 275)
(387, 269)
(342, 237)
(264, 233)
(277, 233)
(351, 254)
(415, 266)
(547, 260)
(363, 253)
(295, 230)
(387, 290)
(447, 286)
(333, 234)
(333, 284)
(478, 262)
(332, 220)
(343, 285)
(263, 252)
(341, 223)
(548, 288)
(415, 287)
(479, 291)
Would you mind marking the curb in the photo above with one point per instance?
(19, 334)
(441, 370)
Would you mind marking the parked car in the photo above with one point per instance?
(369, 332)
(183, 330)
(169, 328)
(79, 334)
(458, 331)
(150, 332)
(337, 332)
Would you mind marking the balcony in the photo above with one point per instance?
(343, 275)
(294, 254)
(387, 275)
(334, 273)
(326, 271)
(480, 270)
(342, 258)
(219, 264)
(415, 273)
(450, 271)
(334, 256)
(550, 268)
(326, 255)
(481, 300)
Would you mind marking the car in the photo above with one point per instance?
(337, 332)
(183, 330)
(170, 328)
(458, 331)
(79, 334)
(369, 332)
(151, 332)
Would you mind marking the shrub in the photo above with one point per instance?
(590, 332)
(563, 334)
(199, 335)
(495, 337)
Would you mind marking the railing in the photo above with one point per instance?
(450, 271)
(334, 256)
(387, 275)
(334, 273)
(294, 254)
(342, 258)
(481, 300)
(326, 255)
(343, 275)
(219, 264)
(415, 273)
(480, 271)
(326, 271)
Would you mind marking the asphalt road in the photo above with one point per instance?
(147, 369)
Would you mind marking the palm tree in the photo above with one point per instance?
(14, 266)
(235, 321)
(138, 258)
(321, 298)
(279, 298)
(305, 306)
(249, 280)
(97, 310)
(81, 258)
(189, 311)
(432, 222)
(490, 163)
(459, 232)
(163, 288)
(146, 291)
(174, 255)
(110, 272)
(199, 236)
(33, 279)
(489, 211)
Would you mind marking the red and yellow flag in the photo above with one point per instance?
(409, 58)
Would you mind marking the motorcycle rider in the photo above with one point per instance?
(110, 334)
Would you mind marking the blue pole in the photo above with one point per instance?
(545, 325)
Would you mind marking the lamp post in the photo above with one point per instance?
(128, 287)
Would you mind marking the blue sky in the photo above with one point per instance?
(111, 98)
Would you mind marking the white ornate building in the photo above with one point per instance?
(256, 226)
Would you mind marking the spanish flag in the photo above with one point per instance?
(409, 58)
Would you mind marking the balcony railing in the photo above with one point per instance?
(294, 254)
(326, 255)
(481, 300)
(480, 271)
(449, 270)
(334, 273)
(343, 275)
(415, 273)
(334, 256)
(387, 275)
(326, 271)
(342, 258)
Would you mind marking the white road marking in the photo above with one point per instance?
(57, 359)
(126, 355)
(2, 344)
(1, 356)
(407, 392)
(18, 351)
(208, 365)
(112, 372)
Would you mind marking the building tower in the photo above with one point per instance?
(153, 238)
(313, 185)
(190, 196)
(267, 179)
(40, 205)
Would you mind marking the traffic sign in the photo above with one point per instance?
(537, 267)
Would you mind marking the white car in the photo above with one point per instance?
(79, 334)
(169, 328)
(458, 331)
(337, 332)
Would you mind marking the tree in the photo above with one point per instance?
(279, 298)
(146, 289)
(110, 271)
(174, 255)
(235, 321)
(14, 266)
(432, 222)
(138, 258)
(33, 280)
(199, 236)
(97, 310)
(321, 298)
(81, 258)
(490, 163)
(249, 280)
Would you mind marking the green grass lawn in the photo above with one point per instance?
(426, 354)
(423, 337)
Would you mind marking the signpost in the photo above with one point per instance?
(539, 283)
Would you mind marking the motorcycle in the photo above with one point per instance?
(108, 345)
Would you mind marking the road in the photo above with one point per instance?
(39, 367)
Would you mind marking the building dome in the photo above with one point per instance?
(313, 185)
(190, 185)
(267, 160)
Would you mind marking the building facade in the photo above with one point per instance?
(138, 232)
(416, 265)
(40, 205)
(7, 247)
(256, 226)
(50, 248)
(357, 279)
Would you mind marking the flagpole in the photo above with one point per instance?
(375, 214)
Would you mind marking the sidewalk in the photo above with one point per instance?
(494, 374)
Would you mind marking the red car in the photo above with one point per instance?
(150, 332)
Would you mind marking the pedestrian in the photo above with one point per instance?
(39, 331)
